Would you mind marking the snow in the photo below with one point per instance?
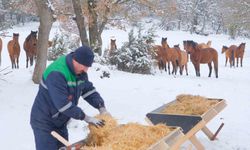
(129, 97)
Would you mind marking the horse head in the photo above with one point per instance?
(242, 46)
(190, 46)
(15, 37)
(33, 38)
(113, 44)
(224, 48)
(164, 42)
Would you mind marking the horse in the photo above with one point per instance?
(203, 45)
(1, 46)
(14, 50)
(50, 43)
(160, 51)
(228, 54)
(183, 60)
(232, 53)
(201, 56)
(171, 55)
(30, 47)
(240, 53)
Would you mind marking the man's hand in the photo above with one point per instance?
(94, 121)
(103, 111)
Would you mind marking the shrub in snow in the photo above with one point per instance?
(62, 44)
(133, 56)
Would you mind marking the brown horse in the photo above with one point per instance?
(240, 53)
(232, 51)
(160, 51)
(228, 54)
(183, 60)
(30, 47)
(203, 45)
(14, 50)
(1, 46)
(201, 56)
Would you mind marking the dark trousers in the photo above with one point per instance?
(45, 141)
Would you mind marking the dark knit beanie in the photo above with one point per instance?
(84, 55)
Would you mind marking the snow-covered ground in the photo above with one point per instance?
(129, 97)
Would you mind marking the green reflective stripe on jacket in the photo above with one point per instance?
(60, 65)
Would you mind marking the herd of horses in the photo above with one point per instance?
(201, 53)
(29, 46)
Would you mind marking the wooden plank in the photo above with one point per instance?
(165, 142)
(159, 146)
(220, 106)
(207, 132)
(196, 143)
(188, 135)
(209, 115)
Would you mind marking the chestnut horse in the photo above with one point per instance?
(30, 47)
(183, 60)
(228, 54)
(201, 56)
(240, 53)
(1, 46)
(14, 50)
(203, 45)
(232, 49)
(160, 51)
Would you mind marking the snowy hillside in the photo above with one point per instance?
(129, 97)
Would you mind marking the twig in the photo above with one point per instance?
(4, 68)
(7, 72)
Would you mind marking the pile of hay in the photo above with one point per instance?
(131, 136)
(190, 105)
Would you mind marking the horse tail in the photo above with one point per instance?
(216, 65)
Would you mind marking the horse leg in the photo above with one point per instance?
(168, 67)
(31, 61)
(237, 59)
(226, 62)
(241, 60)
(186, 69)
(17, 62)
(210, 69)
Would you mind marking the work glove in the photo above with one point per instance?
(94, 121)
(103, 111)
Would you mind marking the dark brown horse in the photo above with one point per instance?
(1, 46)
(240, 53)
(201, 56)
(14, 50)
(30, 47)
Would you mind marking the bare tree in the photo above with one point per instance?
(45, 13)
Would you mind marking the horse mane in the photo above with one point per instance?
(224, 47)
(176, 46)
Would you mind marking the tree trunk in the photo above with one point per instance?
(80, 21)
(93, 28)
(46, 20)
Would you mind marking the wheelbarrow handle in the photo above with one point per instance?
(60, 138)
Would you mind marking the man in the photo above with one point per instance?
(63, 82)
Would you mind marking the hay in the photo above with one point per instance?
(97, 135)
(131, 136)
(190, 105)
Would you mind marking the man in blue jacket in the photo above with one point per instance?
(63, 82)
